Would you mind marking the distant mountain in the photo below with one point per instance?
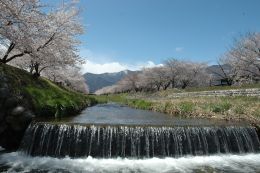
(98, 81)
(218, 72)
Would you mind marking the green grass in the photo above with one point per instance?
(139, 104)
(122, 99)
(186, 107)
(118, 98)
(43, 94)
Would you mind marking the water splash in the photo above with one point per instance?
(17, 162)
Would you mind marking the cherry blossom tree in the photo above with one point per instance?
(40, 40)
(67, 77)
(244, 58)
(18, 27)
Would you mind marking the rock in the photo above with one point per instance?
(2, 116)
(27, 116)
(15, 123)
(11, 103)
(17, 111)
(1, 148)
(10, 119)
(3, 79)
(3, 127)
(4, 93)
(19, 118)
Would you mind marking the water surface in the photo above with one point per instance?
(116, 114)
(16, 162)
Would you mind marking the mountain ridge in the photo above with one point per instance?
(98, 81)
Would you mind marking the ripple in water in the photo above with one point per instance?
(17, 162)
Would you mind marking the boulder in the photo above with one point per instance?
(2, 116)
(3, 127)
(19, 110)
(4, 93)
(11, 102)
(19, 119)
(26, 117)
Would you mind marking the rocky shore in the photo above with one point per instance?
(15, 114)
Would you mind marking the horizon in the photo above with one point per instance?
(131, 35)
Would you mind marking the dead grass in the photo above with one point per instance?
(228, 108)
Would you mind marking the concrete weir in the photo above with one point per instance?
(75, 140)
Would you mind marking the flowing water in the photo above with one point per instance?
(43, 139)
(118, 139)
(247, 163)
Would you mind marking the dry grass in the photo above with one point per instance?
(229, 108)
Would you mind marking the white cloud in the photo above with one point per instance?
(105, 63)
(179, 49)
(149, 64)
(110, 67)
(98, 68)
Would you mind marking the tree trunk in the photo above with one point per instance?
(37, 72)
(10, 48)
(184, 85)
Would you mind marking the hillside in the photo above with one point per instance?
(23, 97)
(98, 81)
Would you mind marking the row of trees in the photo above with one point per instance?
(244, 59)
(173, 74)
(239, 65)
(42, 39)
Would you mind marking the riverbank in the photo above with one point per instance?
(225, 107)
(23, 97)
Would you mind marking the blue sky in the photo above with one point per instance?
(134, 33)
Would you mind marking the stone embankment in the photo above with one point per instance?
(221, 93)
(15, 114)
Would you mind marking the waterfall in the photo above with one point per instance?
(74, 140)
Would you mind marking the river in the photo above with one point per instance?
(117, 139)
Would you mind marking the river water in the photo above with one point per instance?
(112, 138)
(116, 114)
(248, 163)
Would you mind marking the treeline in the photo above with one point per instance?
(173, 74)
(43, 40)
(239, 65)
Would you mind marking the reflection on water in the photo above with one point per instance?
(115, 114)
(15, 162)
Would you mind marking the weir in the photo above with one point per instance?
(74, 140)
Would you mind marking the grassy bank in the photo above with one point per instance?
(230, 108)
(43, 96)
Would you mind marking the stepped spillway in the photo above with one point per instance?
(74, 140)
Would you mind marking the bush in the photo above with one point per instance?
(221, 107)
(186, 107)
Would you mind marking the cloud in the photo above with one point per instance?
(149, 64)
(110, 67)
(179, 49)
(98, 68)
(105, 63)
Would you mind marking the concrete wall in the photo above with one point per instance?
(235, 92)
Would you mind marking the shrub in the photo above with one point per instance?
(221, 107)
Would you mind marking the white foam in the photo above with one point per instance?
(219, 163)
(1, 148)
